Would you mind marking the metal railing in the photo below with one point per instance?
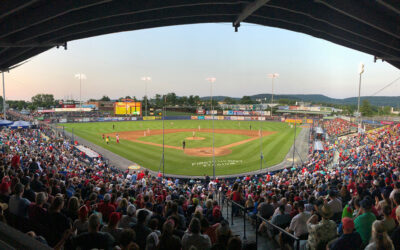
(224, 201)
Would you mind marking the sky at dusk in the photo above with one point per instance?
(180, 58)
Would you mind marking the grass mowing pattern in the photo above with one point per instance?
(175, 139)
(244, 158)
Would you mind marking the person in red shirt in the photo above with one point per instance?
(15, 161)
(106, 207)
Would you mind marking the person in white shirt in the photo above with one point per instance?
(298, 225)
(334, 204)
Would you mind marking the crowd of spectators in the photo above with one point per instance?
(56, 195)
(337, 127)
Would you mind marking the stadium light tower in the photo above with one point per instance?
(146, 79)
(81, 77)
(360, 71)
(272, 76)
(211, 80)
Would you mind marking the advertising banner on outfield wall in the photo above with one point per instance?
(200, 117)
(241, 118)
(247, 118)
(310, 121)
(298, 121)
(234, 118)
(193, 117)
(387, 122)
(220, 117)
(62, 120)
(148, 118)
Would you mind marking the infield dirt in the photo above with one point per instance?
(202, 152)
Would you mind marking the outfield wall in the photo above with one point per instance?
(152, 118)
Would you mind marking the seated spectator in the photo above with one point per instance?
(141, 230)
(363, 222)
(388, 222)
(380, 238)
(167, 239)
(106, 207)
(128, 220)
(93, 238)
(152, 239)
(194, 237)
(209, 230)
(127, 240)
(81, 225)
(320, 233)
(111, 227)
(350, 239)
(234, 243)
(224, 233)
(56, 221)
(18, 205)
(298, 225)
(36, 212)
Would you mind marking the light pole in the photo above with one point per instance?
(163, 113)
(4, 97)
(360, 71)
(146, 79)
(211, 80)
(272, 76)
(80, 76)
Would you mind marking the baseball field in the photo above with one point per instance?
(237, 144)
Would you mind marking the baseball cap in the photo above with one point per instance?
(348, 223)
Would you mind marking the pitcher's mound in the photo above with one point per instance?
(207, 152)
(196, 138)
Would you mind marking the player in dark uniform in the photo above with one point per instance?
(183, 144)
(113, 126)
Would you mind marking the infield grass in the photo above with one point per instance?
(244, 158)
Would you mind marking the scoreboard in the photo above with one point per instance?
(128, 108)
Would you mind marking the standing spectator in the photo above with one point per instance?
(388, 222)
(195, 238)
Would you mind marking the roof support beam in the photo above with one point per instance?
(390, 6)
(364, 15)
(30, 45)
(247, 11)
(11, 7)
(49, 11)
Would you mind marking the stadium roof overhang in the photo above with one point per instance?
(30, 27)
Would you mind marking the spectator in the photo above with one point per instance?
(18, 205)
(93, 238)
(81, 225)
(106, 207)
(350, 239)
(111, 227)
(168, 240)
(128, 220)
(298, 225)
(363, 223)
(141, 230)
(396, 233)
(320, 233)
(195, 238)
(388, 222)
(379, 239)
(57, 222)
(153, 238)
(36, 211)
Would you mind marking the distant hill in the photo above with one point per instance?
(393, 101)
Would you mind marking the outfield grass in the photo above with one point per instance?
(244, 158)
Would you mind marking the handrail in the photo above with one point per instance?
(258, 218)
